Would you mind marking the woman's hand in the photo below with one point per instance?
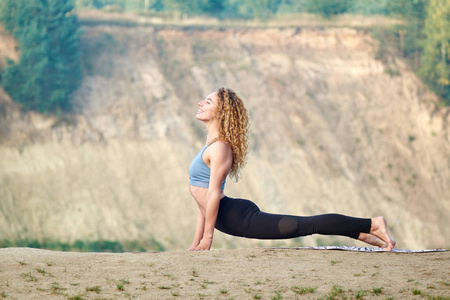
(205, 244)
(192, 247)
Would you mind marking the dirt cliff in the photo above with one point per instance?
(333, 130)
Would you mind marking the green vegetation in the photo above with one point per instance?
(277, 296)
(29, 277)
(303, 290)
(76, 297)
(336, 291)
(194, 272)
(435, 69)
(360, 294)
(236, 9)
(378, 290)
(42, 271)
(94, 288)
(48, 71)
(87, 246)
(421, 36)
(416, 292)
(56, 288)
(423, 39)
(164, 287)
(208, 282)
(223, 291)
(328, 8)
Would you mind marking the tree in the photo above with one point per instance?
(328, 8)
(410, 32)
(48, 71)
(436, 54)
(260, 9)
(195, 7)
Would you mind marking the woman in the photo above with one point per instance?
(226, 148)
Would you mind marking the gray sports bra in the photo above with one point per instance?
(199, 172)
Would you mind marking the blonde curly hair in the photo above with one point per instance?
(232, 118)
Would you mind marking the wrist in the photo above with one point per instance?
(207, 237)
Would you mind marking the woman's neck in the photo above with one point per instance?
(213, 132)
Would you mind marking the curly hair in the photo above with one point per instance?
(232, 118)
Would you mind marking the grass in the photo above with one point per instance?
(42, 271)
(85, 246)
(170, 276)
(377, 291)
(223, 291)
(29, 277)
(303, 290)
(257, 296)
(120, 287)
(277, 296)
(360, 294)
(208, 282)
(94, 288)
(56, 288)
(194, 272)
(76, 297)
(416, 292)
(336, 291)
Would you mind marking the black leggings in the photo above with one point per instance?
(243, 218)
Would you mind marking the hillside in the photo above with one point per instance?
(333, 130)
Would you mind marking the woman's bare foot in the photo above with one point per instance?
(379, 229)
(372, 240)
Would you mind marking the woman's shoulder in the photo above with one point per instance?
(221, 145)
(219, 149)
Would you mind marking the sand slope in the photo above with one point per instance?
(222, 274)
(333, 130)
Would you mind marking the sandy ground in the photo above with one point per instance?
(223, 274)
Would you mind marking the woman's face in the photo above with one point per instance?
(207, 107)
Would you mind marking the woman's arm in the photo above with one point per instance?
(220, 158)
(212, 208)
(200, 227)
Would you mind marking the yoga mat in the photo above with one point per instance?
(368, 249)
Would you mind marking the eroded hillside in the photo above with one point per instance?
(333, 130)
